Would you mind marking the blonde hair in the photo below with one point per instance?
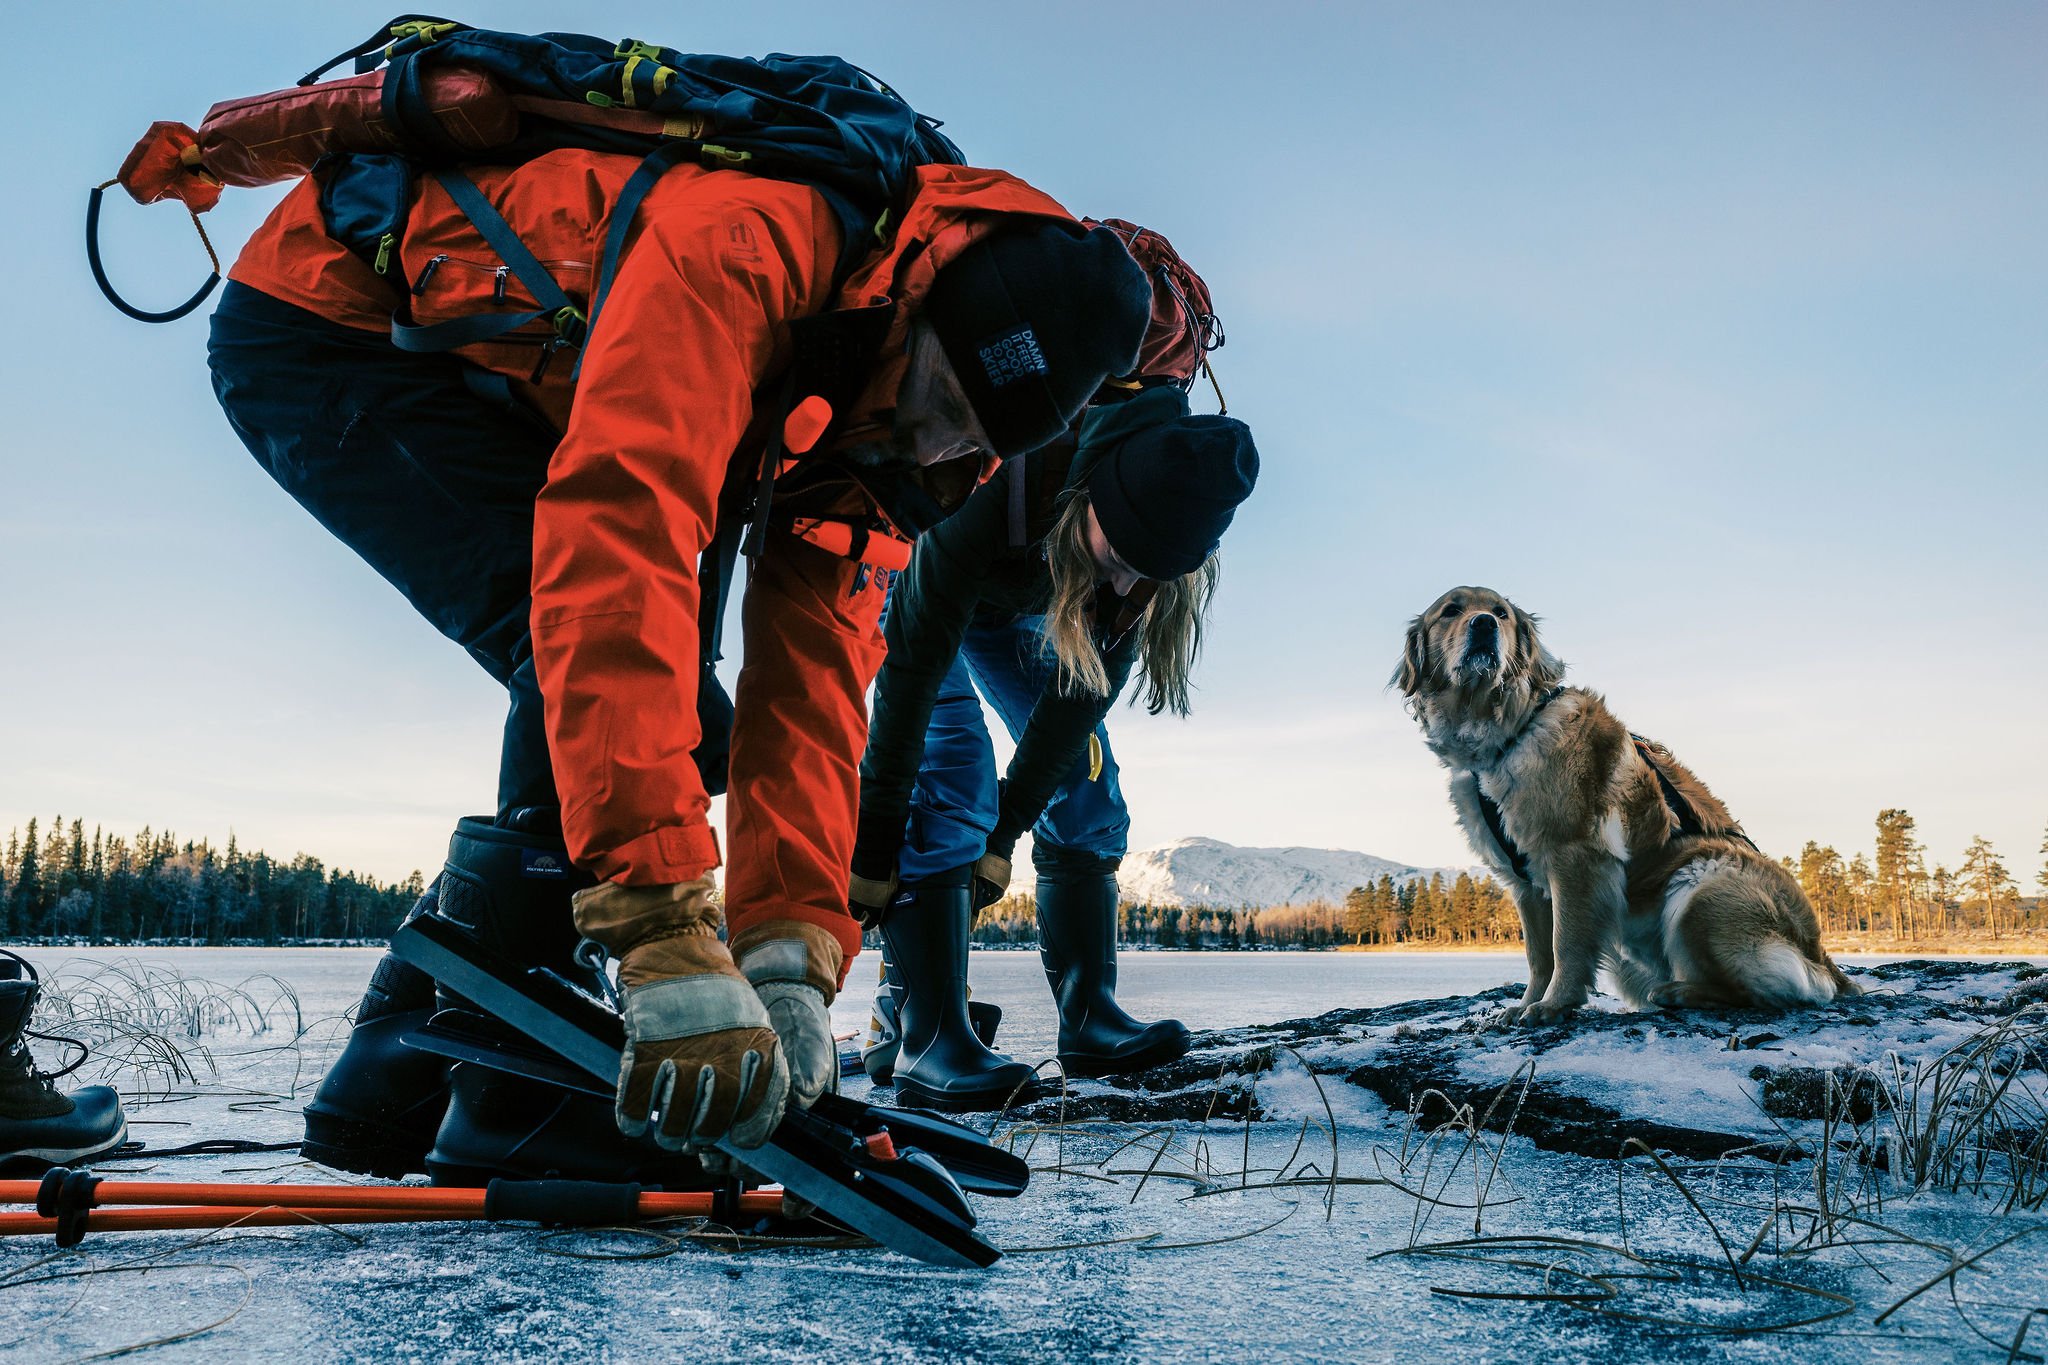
(1169, 633)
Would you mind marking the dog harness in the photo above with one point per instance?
(1689, 822)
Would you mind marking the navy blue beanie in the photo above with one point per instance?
(1033, 318)
(1166, 495)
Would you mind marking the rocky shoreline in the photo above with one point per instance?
(1692, 1084)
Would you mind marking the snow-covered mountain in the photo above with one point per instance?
(1209, 872)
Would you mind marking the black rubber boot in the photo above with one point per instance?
(885, 1034)
(41, 1127)
(1077, 934)
(382, 1103)
(941, 1063)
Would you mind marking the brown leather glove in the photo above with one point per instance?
(701, 1060)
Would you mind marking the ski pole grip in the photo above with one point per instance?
(562, 1203)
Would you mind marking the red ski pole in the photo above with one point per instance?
(212, 1216)
(69, 1203)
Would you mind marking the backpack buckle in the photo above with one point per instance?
(731, 158)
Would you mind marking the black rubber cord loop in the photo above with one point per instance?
(99, 273)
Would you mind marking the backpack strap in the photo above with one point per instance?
(369, 53)
(652, 167)
(1020, 503)
(569, 322)
(404, 103)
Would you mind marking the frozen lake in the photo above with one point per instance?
(1204, 990)
(1105, 1263)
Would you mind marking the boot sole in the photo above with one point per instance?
(65, 1156)
(911, 1095)
(361, 1148)
(1159, 1054)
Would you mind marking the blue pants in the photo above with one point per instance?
(430, 482)
(953, 805)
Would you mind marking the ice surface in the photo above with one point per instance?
(1306, 1289)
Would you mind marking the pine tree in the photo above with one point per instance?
(1358, 913)
(1895, 854)
(74, 859)
(1464, 905)
(1858, 880)
(99, 887)
(1984, 873)
(1393, 924)
(2041, 878)
(28, 885)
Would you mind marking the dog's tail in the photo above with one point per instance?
(1754, 938)
(1779, 974)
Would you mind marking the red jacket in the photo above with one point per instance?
(717, 265)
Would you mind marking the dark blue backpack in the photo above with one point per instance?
(820, 121)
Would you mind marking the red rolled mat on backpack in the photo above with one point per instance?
(266, 138)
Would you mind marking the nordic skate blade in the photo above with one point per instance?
(978, 1166)
(908, 1204)
(838, 1175)
(544, 1008)
(448, 1038)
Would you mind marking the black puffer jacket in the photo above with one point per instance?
(987, 562)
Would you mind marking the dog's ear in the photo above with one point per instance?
(1414, 659)
(1546, 670)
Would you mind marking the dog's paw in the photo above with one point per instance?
(1545, 1012)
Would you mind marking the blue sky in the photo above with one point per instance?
(1717, 335)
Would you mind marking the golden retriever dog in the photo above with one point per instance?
(1616, 855)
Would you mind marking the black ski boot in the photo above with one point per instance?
(381, 1104)
(39, 1127)
(511, 891)
(941, 1063)
(1077, 934)
(376, 1111)
(511, 1127)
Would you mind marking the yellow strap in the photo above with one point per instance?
(1222, 406)
(1094, 758)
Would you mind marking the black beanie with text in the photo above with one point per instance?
(1034, 317)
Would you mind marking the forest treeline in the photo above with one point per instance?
(1894, 898)
(1466, 912)
(61, 882)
